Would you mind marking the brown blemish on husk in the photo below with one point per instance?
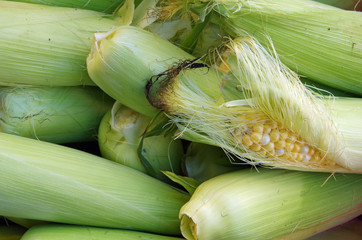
(165, 80)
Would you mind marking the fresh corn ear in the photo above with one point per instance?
(107, 6)
(321, 42)
(270, 204)
(120, 135)
(276, 121)
(44, 45)
(53, 114)
(45, 181)
(73, 232)
(122, 61)
(220, 108)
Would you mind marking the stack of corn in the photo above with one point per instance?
(179, 119)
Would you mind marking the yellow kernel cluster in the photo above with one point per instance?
(273, 141)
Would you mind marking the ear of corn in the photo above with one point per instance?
(276, 120)
(144, 14)
(44, 45)
(106, 6)
(53, 114)
(347, 114)
(316, 40)
(44, 181)
(73, 232)
(220, 108)
(274, 204)
(121, 62)
(120, 134)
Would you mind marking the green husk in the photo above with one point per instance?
(48, 46)
(203, 162)
(45, 181)
(53, 114)
(106, 6)
(316, 40)
(270, 204)
(72, 232)
(122, 131)
(347, 113)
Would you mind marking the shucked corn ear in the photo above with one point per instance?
(319, 41)
(44, 45)
(276, 121)
(270, 204)
(45, 181)
(73, 232)
(121, 139)
(106, 6)
(53, 114)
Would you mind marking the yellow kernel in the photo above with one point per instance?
(291, 156)
(299, 157)
(258, 128)
(273, 125)
(262, 152)
(331, 163)
(269, 147)
(265, 139)
(267, 128)
(289, 146)
(291, 139)
(270, 153)
(323, 158)
(246, 141)
(255, 147)
(280, 152)
(311, 151)
(304, 149)
(280, 144)
(283, 134)
(296, 148)
(306, 158)
(256, 137)
(274, 135)
(316, 158)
